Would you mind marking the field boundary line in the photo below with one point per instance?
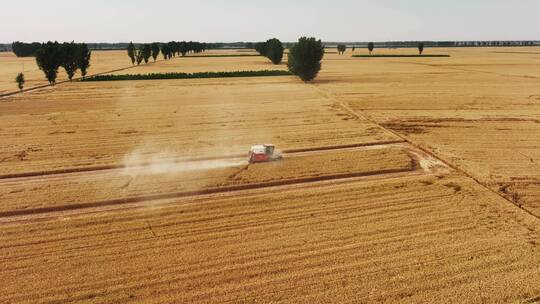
(204, 197)
(347, 108)
(207, 191)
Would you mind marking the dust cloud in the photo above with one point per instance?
(138, 163)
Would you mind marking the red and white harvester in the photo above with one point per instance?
(263, 154)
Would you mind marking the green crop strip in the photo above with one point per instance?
(162, 76)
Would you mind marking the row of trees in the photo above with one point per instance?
(272, 49)
(143, 52)
(371, 46)
(69, 55)
(176, 48)
(304, 57)
(420, 46)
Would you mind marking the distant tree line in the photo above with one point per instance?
(400, 44)
(433, 44)
(71, 56)
(28, 49)
(209, 46)
(272, 49)
(143, 52)
(371, 47)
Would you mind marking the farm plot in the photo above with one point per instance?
(521, 62)
(168, 179)
(102, 61)
(479, 110)
(403, 240)
(198, 63)
(90, 124)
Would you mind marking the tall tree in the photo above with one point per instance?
(131, 52)
(146, 52)
(155, 50)
(190, 46)
(139, 56)
(165, 50)
(341, 48)
(274, 50)
(183, 48)
(421, 47)
(305, 58)
(172, 49)
(371, 47)
(83, 58)
(69, 58)
(49, 59)
(260, 47)
(20, 81)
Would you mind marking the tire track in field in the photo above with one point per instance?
(207, 191)
(420, 164)
(195, 159)
(296, 222)
(200, 199)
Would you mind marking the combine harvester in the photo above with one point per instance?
(263, 154)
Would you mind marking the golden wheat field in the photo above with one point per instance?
(408, 180)
(102, 61)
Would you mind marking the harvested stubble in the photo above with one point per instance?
(58, 191)
(404, 240)
(479, 110)
(408, 239)
(100, 123)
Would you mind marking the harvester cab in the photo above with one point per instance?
(263, 154)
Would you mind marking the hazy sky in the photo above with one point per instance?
(243, 20)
